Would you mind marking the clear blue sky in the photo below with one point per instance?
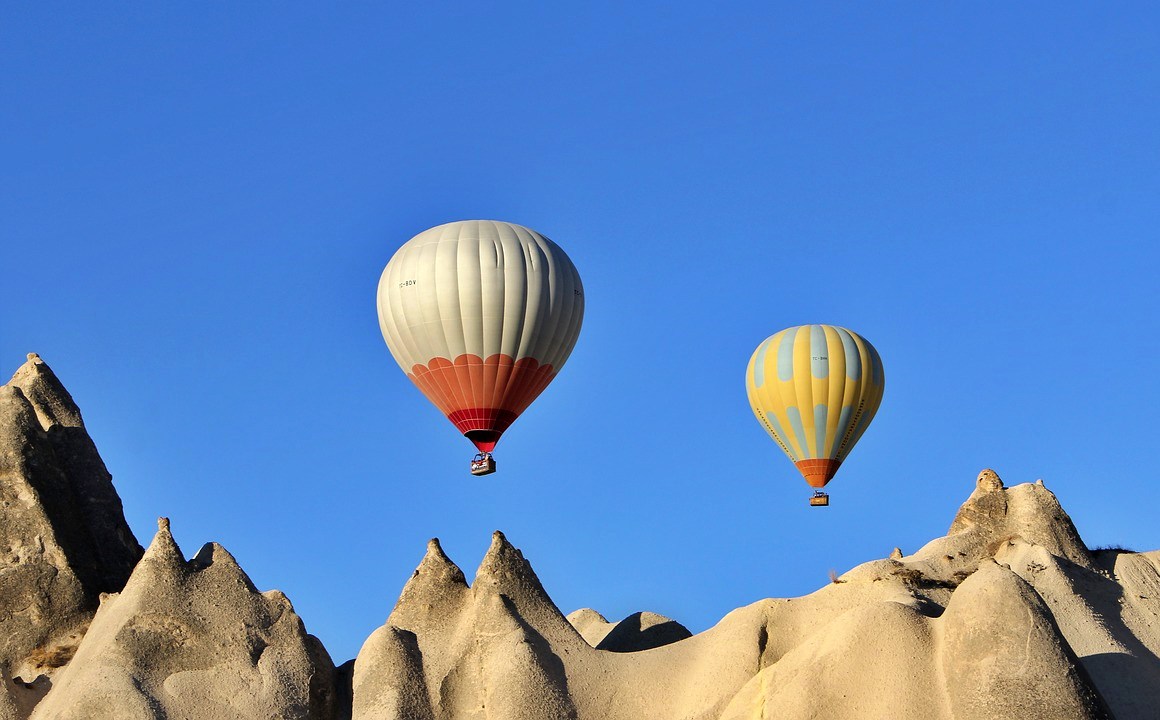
(196, 201)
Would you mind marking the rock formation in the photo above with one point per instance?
(63, 536)
(171, 639)
(450, 649)
(1009, 615)
(190, 640)
(638, 631)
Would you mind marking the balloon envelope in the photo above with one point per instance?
(481, 315)
(815, 389)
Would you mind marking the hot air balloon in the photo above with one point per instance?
(480, 315)
(815, 389)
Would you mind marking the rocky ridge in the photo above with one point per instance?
(193, 639)
(1009, 615)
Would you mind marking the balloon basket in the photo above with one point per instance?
(820, 499)
(483, 464)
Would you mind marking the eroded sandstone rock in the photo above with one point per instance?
(193, 640)
(63, 535)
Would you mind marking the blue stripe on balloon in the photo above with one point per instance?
(820, 429)
(795, 421)
(785, 355)
(875, 364)
(819, 352)
(843, 425)
(778, 430)
(854, 433)
(853, 359)
(759, 363)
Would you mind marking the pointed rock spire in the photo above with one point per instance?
(504, 569)
(988, 481)
(993, 513)
(437, 567)
(53, 403)
(72, 483)
(986, 506)
(214, 561)
(164, 548)
(194, 639)
(504, 572)
(65, 537)
(162, 563)
(437, 589)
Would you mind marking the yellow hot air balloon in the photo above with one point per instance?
(481, 315)
(815, 389)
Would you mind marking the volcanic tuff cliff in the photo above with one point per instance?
(1008, 616)
(63, 536)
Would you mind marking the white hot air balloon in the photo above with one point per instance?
(480, 315)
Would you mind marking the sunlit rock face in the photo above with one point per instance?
(956, 630)
(63, 536)
(449, 650)
(193, 639)
(1007, 616)
(993, 514)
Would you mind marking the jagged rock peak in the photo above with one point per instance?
(55, 458)
(438, 566)
(213, 553)
(989, 481)
(994, 513)
(505, 572)
(499, 540)
(193, 640)
(216, 564)
(504, 567)
(212, 565)
(61, 523)
(214, 561)
(502, 557)
(49, 398)
(164, 550)
(437, 587)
